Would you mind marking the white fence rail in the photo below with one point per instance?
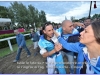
(8, 39)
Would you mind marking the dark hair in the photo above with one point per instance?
(46, 24)
(43, 28)
(96, 29)
(87, 19)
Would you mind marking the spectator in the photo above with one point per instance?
(21, 44)
(65, 31)
(87, 22)
(35, 38)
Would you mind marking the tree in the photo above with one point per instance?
(82, 19)
(11, 15)
(95, 16)
(25, 17)
(42, 17)
(20, 14)
(3, 12)
(31, 11)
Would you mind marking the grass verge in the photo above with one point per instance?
(6, 51)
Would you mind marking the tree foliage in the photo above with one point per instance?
(29, 16)
(3, 12)
(24, 16)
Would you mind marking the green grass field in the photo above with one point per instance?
(6, 51)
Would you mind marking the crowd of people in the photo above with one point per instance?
(70, 39)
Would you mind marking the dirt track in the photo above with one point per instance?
(26, 65)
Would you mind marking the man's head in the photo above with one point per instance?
(32, 30)
(16, 32)
(48, 30)
(87, 22)
(67, 26)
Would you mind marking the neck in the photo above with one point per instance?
(94, 50)
(17, 34)
(65, 32)
(46, 37)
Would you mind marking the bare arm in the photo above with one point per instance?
(57, 48)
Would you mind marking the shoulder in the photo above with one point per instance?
(21, 34)
(41, 39)
(42, 42)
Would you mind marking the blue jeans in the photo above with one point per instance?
(20, 50)
(70, 56)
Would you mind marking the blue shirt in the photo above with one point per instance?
(46, 44)
(34, 36)
(65, 36)
(20, 40)
(78, 48)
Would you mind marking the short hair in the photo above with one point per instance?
(96, 29)
(87, 19)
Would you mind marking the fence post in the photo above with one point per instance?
(10, 45)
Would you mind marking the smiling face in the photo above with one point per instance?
(49, 31)
(87, 36)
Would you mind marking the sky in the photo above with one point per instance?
(56, 11)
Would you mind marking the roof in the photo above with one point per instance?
(5, 20)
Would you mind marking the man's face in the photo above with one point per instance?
(49, 31)
(87, 22)
(68, 27)
(16, 32)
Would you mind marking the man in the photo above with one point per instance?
(21, 44)
(66, 31)
(87, 22)
(49, 48)
(35, 38)
(79, 26)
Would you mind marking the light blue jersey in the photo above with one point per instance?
(47, 46)
(79, 48)
(60, 30)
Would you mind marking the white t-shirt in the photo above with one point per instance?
(93, 61)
